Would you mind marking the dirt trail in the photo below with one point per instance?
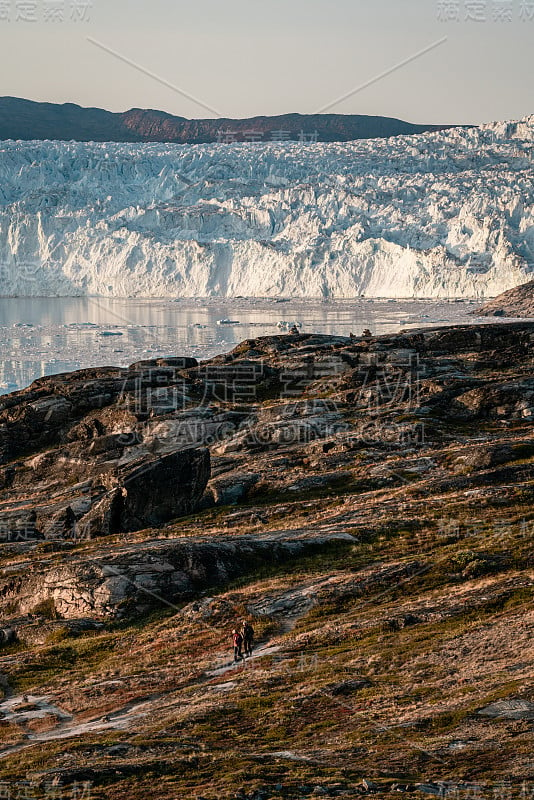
(287, 607)
(25, 708)
(67, 726)
(258, 652)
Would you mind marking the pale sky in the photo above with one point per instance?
(244, 58)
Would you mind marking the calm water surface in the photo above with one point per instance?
(45, 336)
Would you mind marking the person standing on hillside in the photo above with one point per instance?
(247, 632)
(238, 644)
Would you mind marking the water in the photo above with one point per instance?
(45, 336)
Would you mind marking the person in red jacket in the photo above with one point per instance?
(238, 644)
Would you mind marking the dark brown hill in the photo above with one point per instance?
(518, 302)
(28, 120)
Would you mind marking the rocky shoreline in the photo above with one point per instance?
(518, 302)
(366, 501)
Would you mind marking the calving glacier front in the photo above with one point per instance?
(434, 215)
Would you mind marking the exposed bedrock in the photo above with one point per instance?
(108, 451)
(150, 574)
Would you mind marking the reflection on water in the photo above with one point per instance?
(46, 336)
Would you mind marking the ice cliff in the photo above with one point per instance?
(434, 215)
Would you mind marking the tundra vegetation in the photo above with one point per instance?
(366, 503)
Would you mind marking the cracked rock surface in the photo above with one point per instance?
(365, 502)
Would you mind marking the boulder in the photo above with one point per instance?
(231, 488)
(104, 518)
(484, 457)
(159, 490)
(7, 636)
(147, 494)
(509, 709)
(347, 688)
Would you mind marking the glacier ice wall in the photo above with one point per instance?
(446, 214)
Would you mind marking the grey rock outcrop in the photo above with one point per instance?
(151, 574)
(106, 451)
(78, 460)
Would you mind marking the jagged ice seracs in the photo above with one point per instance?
(446, 214)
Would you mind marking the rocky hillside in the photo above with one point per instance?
(518, 302)
(27, 120)
(365, 502)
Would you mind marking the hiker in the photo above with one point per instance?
(238, 644)
(294, 331)
(247, 631)
(367, 333)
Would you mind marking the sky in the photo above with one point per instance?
(425, 61)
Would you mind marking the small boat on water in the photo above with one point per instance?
(228, 322)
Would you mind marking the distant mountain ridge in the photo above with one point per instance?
(28, 120)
